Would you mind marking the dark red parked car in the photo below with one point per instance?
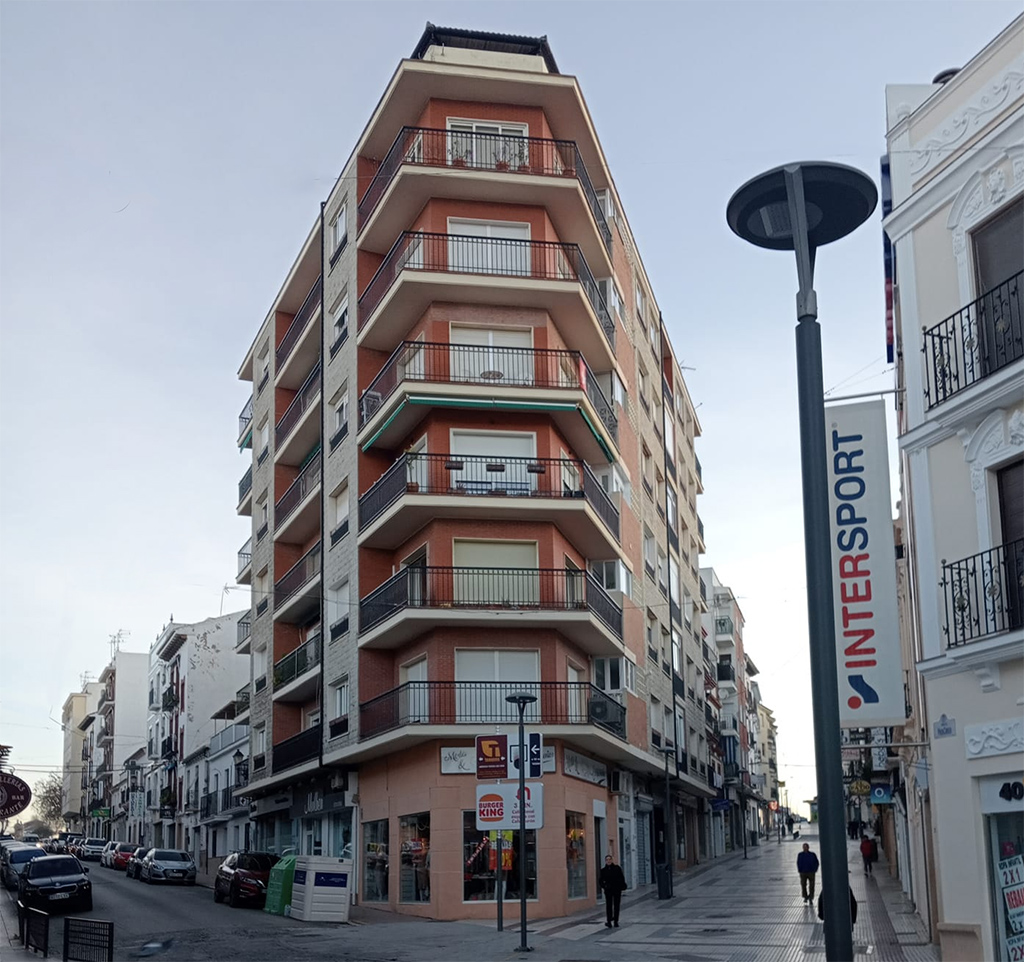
(121, 854)
(243, 877)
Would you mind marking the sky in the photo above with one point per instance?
(160, 166)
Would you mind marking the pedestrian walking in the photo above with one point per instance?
(613, 884)
(807, 866)
(789, 824)
(853, 908)
(867, 851)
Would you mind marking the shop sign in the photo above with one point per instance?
(458, 760)
(315, 799)
(1014, 896)
(15, 795)
(1015, 948)
(720, 804)
(582, 767)
(860, 787)
(492, 756)
(497, 806)
(273, 803)
(863, 566)
(881, 794)
(1002, 793)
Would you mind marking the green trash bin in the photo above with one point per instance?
(279, 886)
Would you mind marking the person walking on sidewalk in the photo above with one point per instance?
(867, 851)
(853, 907)
(807, 866)
(613, 884)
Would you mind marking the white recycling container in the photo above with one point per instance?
(321, 890)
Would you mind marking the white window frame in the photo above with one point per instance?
(339, 228)
(342, 705)
(341, 316)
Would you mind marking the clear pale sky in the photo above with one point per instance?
(161, 164)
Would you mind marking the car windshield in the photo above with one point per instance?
(257, 863)
(96, 841)
(169, 855)
(24, 854)
(53, 866)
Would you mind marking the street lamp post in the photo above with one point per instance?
(669, 819)
(801, 207)
(521, 700)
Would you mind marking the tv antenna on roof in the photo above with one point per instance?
(116, 640)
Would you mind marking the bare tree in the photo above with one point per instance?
(48, 799)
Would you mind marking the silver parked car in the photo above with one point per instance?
(15, 860)
(168, 865)
(92, 848)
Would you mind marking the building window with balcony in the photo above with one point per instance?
(668, 726)
(671, 510)
(662, 572)
(607, 202)
(614, 479)
(263, 434)
(612, 675)
(339, 230)
(576, 855)
(338, 516)
(375, 861)
(484, 677)
(641, 302)
(340, 699)
(656, 718)
(612, 298)
(650, 551)
(487, 145)
(613, 576)
(670, 434)
(414, 871)
(480, 862)
(263, 367)
(338, 610)
(642, 392)
(339, 405)
(340, 324)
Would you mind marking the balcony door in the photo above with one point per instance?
(489, 247)
(998, 258)
(493, 356)
(415, 707)
(487, 146)
(1010, 488)
(483, 679)
(493, 462)
(496, 574)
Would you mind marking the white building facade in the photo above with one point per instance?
(956, 155)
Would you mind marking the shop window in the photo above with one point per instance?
(341, 833)
(414, 872)
(375, 861)
(1006, 830)
(480, 862)
(576, 855)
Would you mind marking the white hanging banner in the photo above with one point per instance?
(863, 567)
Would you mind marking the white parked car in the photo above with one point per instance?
(92, 848)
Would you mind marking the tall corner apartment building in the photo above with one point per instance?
(956, 156)
(473, 474)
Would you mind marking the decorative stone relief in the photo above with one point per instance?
(996, 185)
(994, 738)
(988, 676)
(1015, 427)
(968, 120)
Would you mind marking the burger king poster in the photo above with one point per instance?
(497, 806)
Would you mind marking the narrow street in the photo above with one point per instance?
(731, 910)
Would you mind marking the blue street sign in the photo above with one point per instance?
(534, 754)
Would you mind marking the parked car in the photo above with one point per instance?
(15, 860)
(122, 853)
(92, 849)
(135, 862)
(108, 853)
(243, 877)
(30, 838)
(168, 865)
(56, 881)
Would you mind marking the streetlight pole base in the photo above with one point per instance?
(523, 948)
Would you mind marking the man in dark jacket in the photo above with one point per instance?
(807, 866)
(613, 884)
(853, 907)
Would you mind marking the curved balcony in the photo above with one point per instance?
(299, 427)
(425, 163)
(295, 675)
(297, 511)
(297, 593)
(418, 599)
(300, 347)
(420, 375)
(420, 487)
(424, 267)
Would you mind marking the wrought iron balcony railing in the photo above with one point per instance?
(298, 324)
(490, 589)
(726, 672)
(245, 485)
(484, 476)
(430, 147)
(298, 749)
(170, 699)
(489, 367)
(483, 703)
(245, 417)
(245, 556)
(297, 662)
(299, 574)
(975, 342)
(167, 747)
(304, 397)
(984, 594)
(242, 698)
(496, 256)
(307, 480)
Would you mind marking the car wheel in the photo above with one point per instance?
(217, 897)
(233, 898)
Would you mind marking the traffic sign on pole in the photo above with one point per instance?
(492, 756)
(534, 754)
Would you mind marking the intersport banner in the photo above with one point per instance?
(863, 567)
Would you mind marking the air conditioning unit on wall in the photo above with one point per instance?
(618, 782)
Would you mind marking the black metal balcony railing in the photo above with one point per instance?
(297, 662)
(245, 485)
(261, 606)
(700, 475)
(260, 683)
(495, 476)
(298, 749)
(483, 703)
(700, 528)
(339, 628)
(244, 629)
(975, 342)
(505, 257)
(726, 673)
(984, 594)
(304, 397)
(472, 150)
(298, 324)
(170, 699)
(492, 589)
(167, 747)
(208, 805)
(242, 698)
(259, 761)
(299, 574)
(245, 556)
(486, 366)
(307, 480)
(245, 417)
(261, 531)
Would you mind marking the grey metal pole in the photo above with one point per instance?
(669, 818)
(523, 947)
(820, 618)
(501, 885)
